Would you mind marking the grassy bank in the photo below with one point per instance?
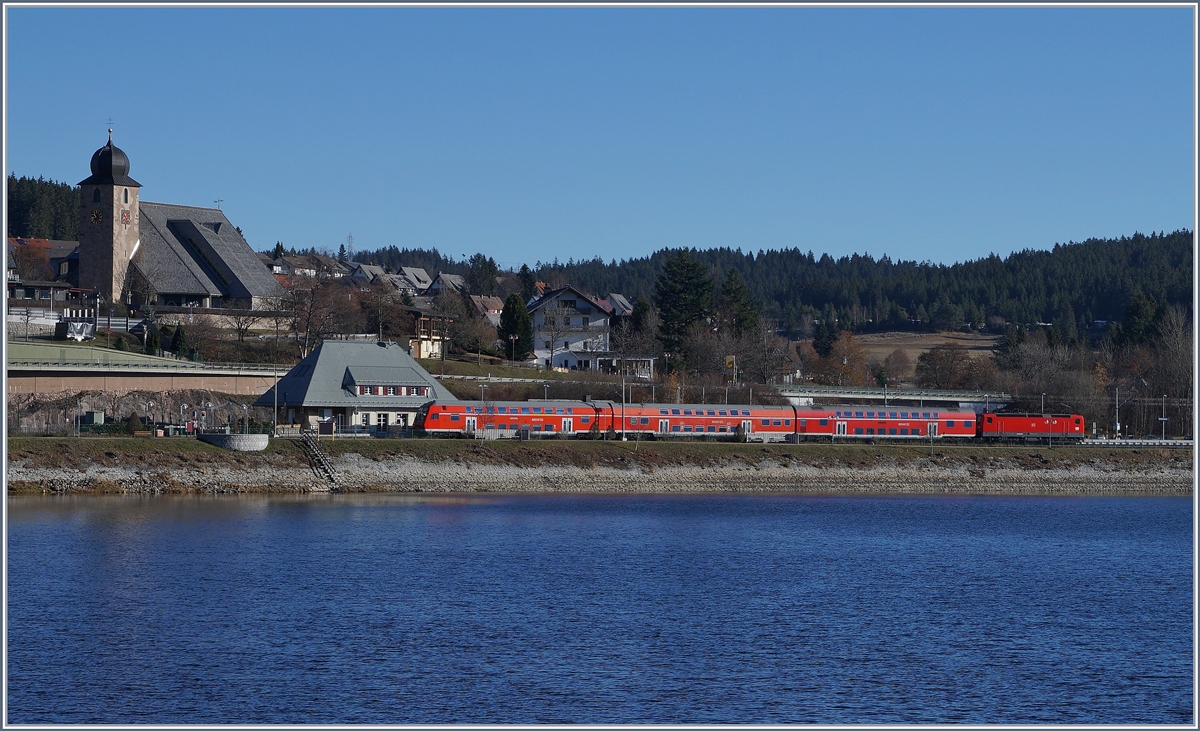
(182, 453)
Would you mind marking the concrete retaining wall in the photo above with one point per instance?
(237, 442)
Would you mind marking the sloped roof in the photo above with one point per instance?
(370, 271)
(487, 304)
(191, 250)
(323, 379)
(418, 276)
(451, 281)
(554, 295)
(620, 305)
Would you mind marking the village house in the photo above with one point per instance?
(488, 307)
(443, 282)
(570, 329)
(354, 386)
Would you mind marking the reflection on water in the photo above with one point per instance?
(592, 608)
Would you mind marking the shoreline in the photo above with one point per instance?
(410, 476)
(187, 466)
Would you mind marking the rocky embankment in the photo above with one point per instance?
(581, 468)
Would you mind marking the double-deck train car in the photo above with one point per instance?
(689, 421)
(1030, 426)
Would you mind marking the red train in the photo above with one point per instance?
(711, 421)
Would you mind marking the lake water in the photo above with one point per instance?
(780, 608)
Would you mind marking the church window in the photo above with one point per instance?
(96, 195)
(125, 195)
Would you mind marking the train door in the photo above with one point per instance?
(568, 426)
(841, 429)
(664, 426)
(470, 421)
(933, 432)
(747, 426)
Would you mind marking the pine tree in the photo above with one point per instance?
(738, 313)
(179, 343)
(683, 296)
(515, 320)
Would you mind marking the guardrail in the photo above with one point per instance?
(1164, 443)
(185, 365)
(905, 393)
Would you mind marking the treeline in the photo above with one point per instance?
(1070, 286)
(42, 209)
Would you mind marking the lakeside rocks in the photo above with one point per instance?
(407, 475)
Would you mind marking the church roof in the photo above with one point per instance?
(110, 166)
(327, 376)
(197, 251)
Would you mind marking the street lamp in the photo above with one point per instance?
(512, 348)
(149, 421)
(546, 391)
(1164, 417)
(1043, 404)
(245, 420)
(181, 409)
(208, 409)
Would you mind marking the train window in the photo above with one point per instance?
(904, 431)
(870, 430)
(858, 430)
(723, 412)
(512, 426)
(870, 414)
(892, 432)
(711, 412)
(645, 420)
(489, 426)
(804, 422)
(537, 409)
(893, 414)
(687, 412)
(776, 422)
(989, 420)
(903, 414)
(917, 431)
(925, 415)
(734, 412)
(766, 422)
(524, 409)
(687, 428)
(787, 422)
(858, 415)
(712, 428)
(633, 420)
(560, 410)
(570, 410)
(537, 427)
(675, 412)
(949, 424)
(549, 427)
(722, 429)
(824, 422)
(584, 419)
(675, 428)
(491, 409)
(1077, 421)
(502, 409)
(454, 417)
(433, 416)
(936, 414)
(663, 412)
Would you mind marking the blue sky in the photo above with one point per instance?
(938, 134)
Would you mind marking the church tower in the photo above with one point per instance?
(108, 223)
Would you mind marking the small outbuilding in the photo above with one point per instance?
(354, 386)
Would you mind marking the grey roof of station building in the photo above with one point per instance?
(327, 376)
(197, 251)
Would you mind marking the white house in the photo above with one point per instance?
(570, 329)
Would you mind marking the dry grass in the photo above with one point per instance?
(881, 345)
(181, 454)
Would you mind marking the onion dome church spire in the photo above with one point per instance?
(110, 166)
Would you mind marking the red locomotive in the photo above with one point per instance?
(1030, 426)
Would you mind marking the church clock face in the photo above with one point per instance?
(124, 217)
(97, 217)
